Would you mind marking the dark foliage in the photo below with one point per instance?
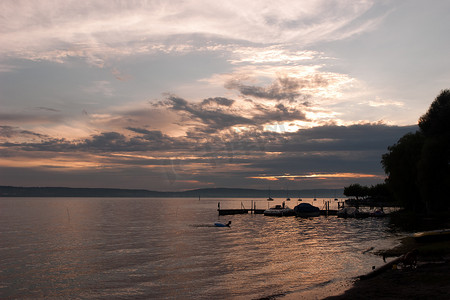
(418, 164)
(401, 166)
(379, 192)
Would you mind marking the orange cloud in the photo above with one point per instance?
(317, 176)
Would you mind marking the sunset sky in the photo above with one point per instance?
(175, 95)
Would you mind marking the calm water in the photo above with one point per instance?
(108, 248)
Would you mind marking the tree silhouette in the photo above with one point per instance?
(433, 167)
(401, 166)
(436, 121)
(418, 164)
(356, 190)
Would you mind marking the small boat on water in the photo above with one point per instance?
(353, 212)
(348, 212)
(270, 198)
(432, 236)
(378, 213)
(279, 211)
(220, 224)
(306, 210)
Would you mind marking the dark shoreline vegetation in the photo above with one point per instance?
(418, 178)
(418, 172)
(430, 278)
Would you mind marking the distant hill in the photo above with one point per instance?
(11, 191)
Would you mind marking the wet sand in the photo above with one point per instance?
(429, 280)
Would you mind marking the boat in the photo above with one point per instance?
(353, 212)
(378, 213)
(306, 210)
(220, 224)
(279, 211)
(270, 198)
(347, 212)
(432, 236)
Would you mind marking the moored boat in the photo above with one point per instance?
(378, 213)
(306, 210)
(279, 211)
(348, 212)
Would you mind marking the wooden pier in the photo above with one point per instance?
(329, 212)
(223, 212)
(240, 211)
(326, 211)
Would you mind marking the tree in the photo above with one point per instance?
(401, 166)
(418, 164)
(356, 190)
(433, 167)
(380, 191)
(436, 121)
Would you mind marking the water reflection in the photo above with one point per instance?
(169, 248)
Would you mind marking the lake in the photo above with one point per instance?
(160, 248)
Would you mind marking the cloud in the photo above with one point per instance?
(271, 54)
(219, 101)
(281, 89)
(212, 158)
(48, 109)
(30, 118)
(15, 132)
(100, 30)
(211, 120)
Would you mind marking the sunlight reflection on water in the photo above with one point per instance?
(168, 248)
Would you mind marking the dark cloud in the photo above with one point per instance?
(211, 120)
(107, 141)
(38, 116)
(280, 113)
(145, 140)
(364, 137)
(155, 133)
(13, 131)
(218, 119)
(273, 92)
(219, 101)
(284, 88)
(48, 109)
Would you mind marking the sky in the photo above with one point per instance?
(176, 95)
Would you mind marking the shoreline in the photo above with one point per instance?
(428, 280)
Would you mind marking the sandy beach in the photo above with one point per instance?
(429, 280)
